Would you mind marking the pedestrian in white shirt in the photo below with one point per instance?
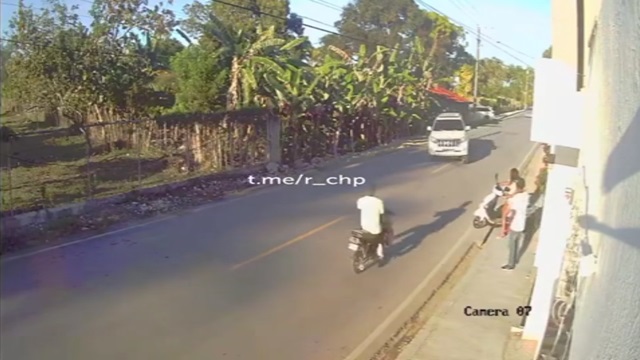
(518, 204)
(371, 212)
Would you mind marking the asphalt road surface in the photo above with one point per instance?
(266, 276)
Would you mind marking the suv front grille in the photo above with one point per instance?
(449, 143)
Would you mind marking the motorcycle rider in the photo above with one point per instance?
(371, 218)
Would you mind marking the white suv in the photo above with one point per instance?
(484, 113)
(449, 137)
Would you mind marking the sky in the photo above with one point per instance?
(516, 31)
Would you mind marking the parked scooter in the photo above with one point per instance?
(488, 213)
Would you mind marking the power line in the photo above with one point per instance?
(327, 5)
(458, 4)
(335, 7)
(239, 7)
(486, 38)
(304, 25)
(470, 30)
(516, 50)
(253, 11)
(41, 9)
(473, 8)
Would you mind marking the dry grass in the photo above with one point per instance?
(52, 169)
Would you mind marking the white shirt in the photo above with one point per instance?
(519, 203)
(370, 210)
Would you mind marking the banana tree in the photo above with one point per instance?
(353, 105)
(334, 82)
(293, 89)
(248, 59)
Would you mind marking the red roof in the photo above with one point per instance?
(437, 90)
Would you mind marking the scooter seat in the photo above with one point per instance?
(358, 232)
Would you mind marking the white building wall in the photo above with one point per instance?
(607, 324)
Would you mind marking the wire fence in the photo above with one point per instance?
(42, 169)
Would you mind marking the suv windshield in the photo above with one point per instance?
(448, 125)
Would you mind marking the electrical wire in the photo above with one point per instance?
(473, 32)
(304, 25)
(251, 10)
(495, 43)
(327, 4)
(458, 4)
(472, 7)
(40, 9)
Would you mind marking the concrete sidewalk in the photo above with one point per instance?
(451, 335)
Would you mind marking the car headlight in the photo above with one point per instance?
(433, 141)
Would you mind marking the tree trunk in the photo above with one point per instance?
(233, 95)
(336, 142)
(274, 130)
(51, 116)
(434, 47)
(297, 127)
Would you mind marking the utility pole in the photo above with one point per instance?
(475, 75)
(526, 88)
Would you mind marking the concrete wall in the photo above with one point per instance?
(607, 323)
(591, 12)
(564, 31)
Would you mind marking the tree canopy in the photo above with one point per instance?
(370, 81)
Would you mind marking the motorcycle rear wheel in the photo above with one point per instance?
(359, 259)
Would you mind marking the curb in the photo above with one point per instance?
(509, 114)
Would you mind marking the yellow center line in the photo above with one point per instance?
(288, 243)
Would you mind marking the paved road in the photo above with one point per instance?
(266, 276)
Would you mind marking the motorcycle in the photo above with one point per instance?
(488, 213)
(364, 246)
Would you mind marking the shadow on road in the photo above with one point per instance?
(480, 149)
(412, 238)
